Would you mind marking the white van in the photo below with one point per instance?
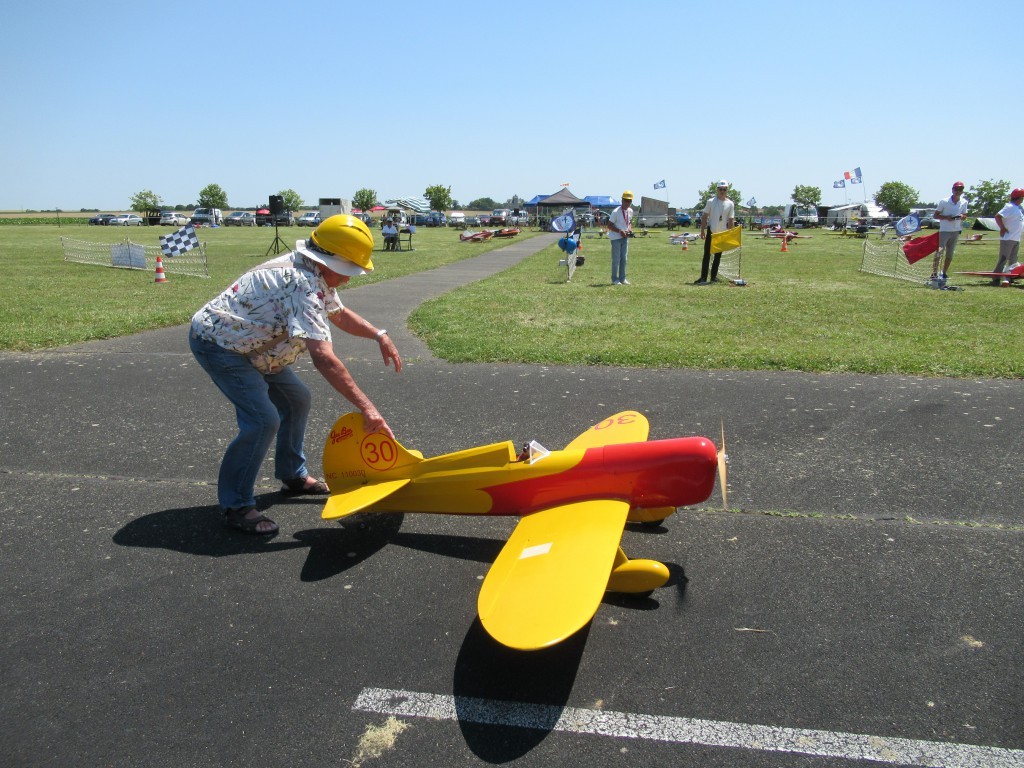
(796, 215)
(210, 217)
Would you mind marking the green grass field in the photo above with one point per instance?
(809, 310)
(52, 303)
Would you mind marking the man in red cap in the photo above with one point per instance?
(1011, 221)
(950, 214)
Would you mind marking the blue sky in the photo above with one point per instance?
(495, 99)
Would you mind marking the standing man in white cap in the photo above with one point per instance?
(1011, 223)
(950, 215)
(247, 338)
(620, 228)
(719, 215)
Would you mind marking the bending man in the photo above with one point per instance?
(247, 338)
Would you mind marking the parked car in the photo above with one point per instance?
(173, 218)
(483, 220)
(683, 218)
(309, 219)
(929, 222)
(520, 219)
(128, 220)
(437, 219)
(240, 219)
(207, 216)
(102, 219)
(472, 221)
(265, 218)
(366, 218)
(500, 216)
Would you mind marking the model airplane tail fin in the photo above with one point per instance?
(353, 457)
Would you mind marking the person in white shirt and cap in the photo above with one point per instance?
(620, 228)
(1011, 224)
(719, 214)
(247, 338)
(950, 214)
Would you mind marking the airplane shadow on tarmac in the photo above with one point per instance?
(490, 677)
(491, 680)
(199, 531)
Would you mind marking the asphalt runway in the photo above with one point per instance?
(860, 605)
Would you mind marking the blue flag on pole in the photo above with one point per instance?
(660, 184)
(841, 184)
(564, 223)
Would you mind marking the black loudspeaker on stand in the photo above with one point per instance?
(276, 209)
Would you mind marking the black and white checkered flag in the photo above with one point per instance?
(177, 243)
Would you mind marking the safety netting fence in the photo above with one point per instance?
(129, 255)
(886, 258)
(730, 264)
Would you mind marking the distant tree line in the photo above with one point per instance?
(897, 198)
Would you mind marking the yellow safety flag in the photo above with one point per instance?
(727, 240)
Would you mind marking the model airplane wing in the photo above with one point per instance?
(548, 581)
(1002, 275)
(624, 427)
(1016, 272)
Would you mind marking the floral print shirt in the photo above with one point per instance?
(270, 311)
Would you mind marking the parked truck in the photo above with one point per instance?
(332, 206)
(210, 217)
(653, 213)
(797, 215)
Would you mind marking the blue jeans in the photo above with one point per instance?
(266, 405)
(620, 249)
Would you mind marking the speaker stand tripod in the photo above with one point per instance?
(278, 245)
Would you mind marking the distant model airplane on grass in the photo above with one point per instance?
(549, 578)
(1015, 273)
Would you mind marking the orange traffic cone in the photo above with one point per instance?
(785, 248)
(160, 276)
(686, 243)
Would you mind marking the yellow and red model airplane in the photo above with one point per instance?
(549, 578)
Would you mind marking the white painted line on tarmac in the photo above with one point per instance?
(684, 730)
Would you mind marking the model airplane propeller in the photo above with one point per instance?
(548, 580)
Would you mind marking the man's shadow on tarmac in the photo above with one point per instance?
(506, 701)
(200, 531)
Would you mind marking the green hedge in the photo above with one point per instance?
(64, 221)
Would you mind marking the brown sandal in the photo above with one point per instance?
(300, 487)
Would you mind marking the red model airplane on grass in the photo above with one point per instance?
(1006, 278)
